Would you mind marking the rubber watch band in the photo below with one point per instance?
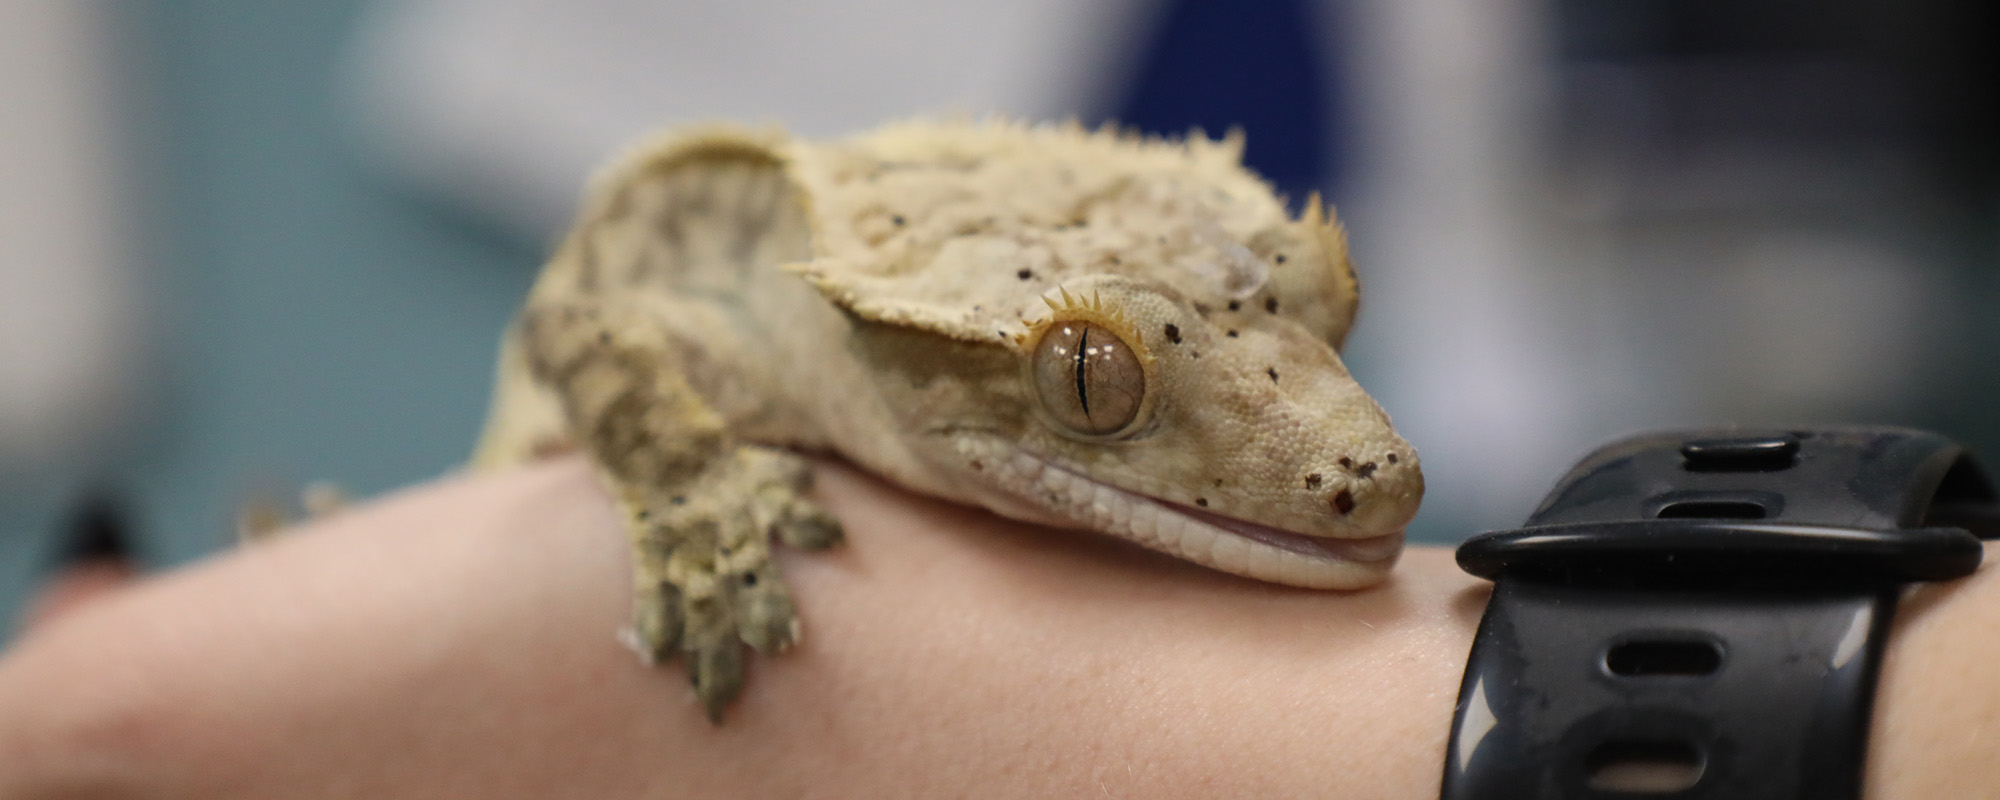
(1702, 614)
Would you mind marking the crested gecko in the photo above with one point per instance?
(1085, 329)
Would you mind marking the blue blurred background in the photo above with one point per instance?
(251, 245)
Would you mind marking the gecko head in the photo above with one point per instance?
(1225, 432)
(1232, 437)
(1228, 436)
(1182, 388)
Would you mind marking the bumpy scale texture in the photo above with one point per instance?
(1083, 329)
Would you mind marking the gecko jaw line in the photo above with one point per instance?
(1225, 543)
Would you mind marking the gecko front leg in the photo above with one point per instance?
(699, 505)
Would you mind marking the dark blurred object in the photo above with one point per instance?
(93, 558)
(97, 530)
(1917, 77)
(1808, 195)
(1259, 65)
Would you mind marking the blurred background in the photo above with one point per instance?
(248, 245)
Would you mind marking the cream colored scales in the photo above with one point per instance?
(1074, 328)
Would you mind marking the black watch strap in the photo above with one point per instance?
(1702, 614)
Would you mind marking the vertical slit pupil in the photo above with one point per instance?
(1082, 394)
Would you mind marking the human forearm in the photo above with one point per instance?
(457, 640)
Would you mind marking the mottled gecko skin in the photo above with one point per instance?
(1074, 328)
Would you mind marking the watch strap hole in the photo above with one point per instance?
(1712, 509)
(1641, 658)
(1638, 767)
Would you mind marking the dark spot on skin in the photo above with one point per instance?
(1346, 463)
(1365, 470)
(1314, 480)
(1280, 259)
(1196, 354)
(975, 308)
(678, 500)
(1273, 372)
(1236, 305)
(1173, 333)
(750, 579)
(643, 514)
(1116, 260)
(1202, 309)
(1232, 333)
(1343, 502)
(1392, 458)
(1161, 239)
(1201, 501)
(896, 220)
(978, 466)
(722, 551)
(1218, 483)
(1271, 304)
(1025, 274)
(604, 338)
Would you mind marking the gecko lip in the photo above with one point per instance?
(1249, 549)
(1366, 550)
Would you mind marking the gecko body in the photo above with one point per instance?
(1077, 328)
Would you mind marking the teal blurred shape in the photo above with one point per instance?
(312, 324)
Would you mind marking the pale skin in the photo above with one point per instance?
(453, 641)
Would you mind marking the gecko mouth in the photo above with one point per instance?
(1237, 546)
(1366, 550)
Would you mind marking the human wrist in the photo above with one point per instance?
(1936, 705)
(1169, 680)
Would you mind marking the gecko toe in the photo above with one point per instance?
(717, 674)
(808, 527)
(766, 618)
(656, 622)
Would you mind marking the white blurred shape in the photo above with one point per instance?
(505, 105)
(1461, 307)
(1823, 324)
(67, 330)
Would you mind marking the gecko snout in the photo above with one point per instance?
(1378, 495)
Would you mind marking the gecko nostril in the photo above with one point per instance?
(1343, 502)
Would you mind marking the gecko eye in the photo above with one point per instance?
(1088, 379)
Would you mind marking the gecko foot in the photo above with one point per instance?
(705, 581)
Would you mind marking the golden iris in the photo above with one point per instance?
(1088, 378)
